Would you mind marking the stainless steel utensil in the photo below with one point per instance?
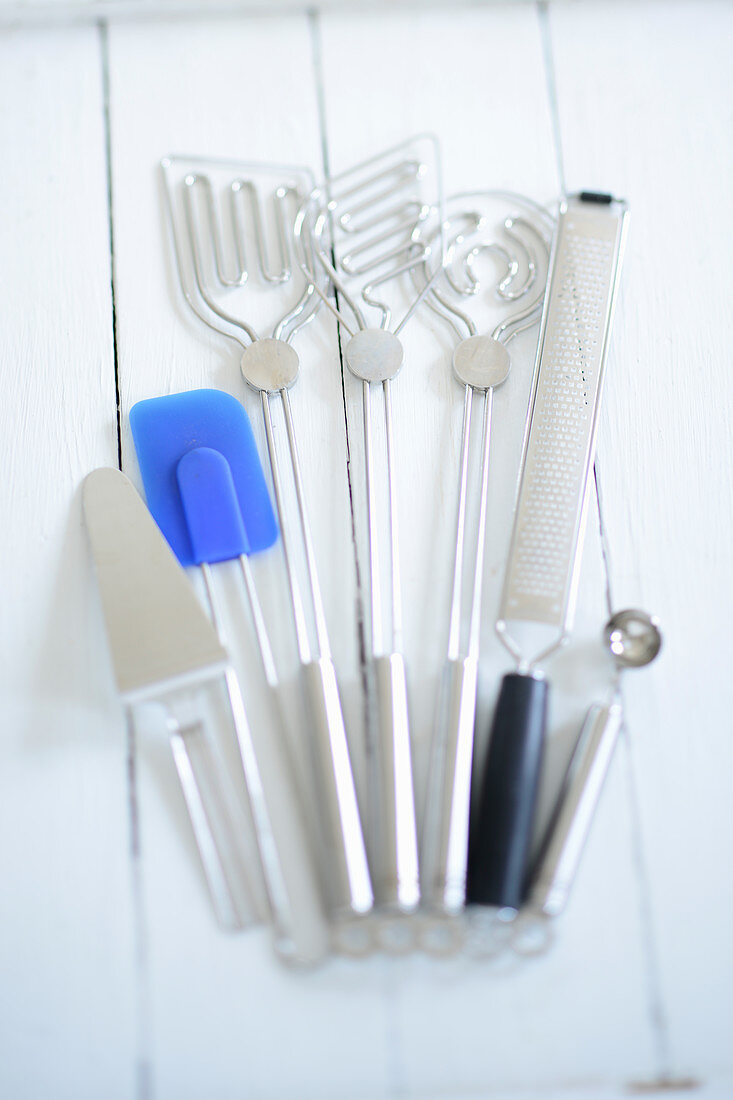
(212, 262)
(544, 557)
(480, 363)
(634, 640)
(358, 229)
(163, 648)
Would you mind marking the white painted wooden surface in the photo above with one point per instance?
(115, 981)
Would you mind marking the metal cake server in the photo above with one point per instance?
(162, 647)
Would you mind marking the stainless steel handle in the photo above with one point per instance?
(291, 941)
(571, 822)
(225, 895)
(350, 887)
(396, 876)
(445, 833)
(307, 941)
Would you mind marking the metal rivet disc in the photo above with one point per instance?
(270, 365)
(633, 637)
(374, 355)
(481, 362)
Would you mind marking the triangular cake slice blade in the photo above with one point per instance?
(158, 632)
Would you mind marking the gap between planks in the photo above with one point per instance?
(658, 1016)
(143, 1023)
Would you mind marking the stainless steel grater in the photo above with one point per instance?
(541, 578)
(544, 555)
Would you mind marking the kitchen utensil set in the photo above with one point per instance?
(374, 245)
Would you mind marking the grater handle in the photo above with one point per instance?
(500, 839)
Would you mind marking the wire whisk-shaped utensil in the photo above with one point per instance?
(212, 253)
(481, 362)
(359, 230)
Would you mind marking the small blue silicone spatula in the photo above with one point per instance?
(206, 490)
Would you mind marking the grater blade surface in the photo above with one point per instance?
(559, 443)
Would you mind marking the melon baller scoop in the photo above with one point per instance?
(633, 639)
(211, 262)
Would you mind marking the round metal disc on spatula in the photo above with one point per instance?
(374, 355)
(270, 365)
(481, 362)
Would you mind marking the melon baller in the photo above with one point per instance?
(633, 639)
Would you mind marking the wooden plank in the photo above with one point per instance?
(67, 955)
(223, 1011)
(16, 13)
(657, 130)
(476, 78)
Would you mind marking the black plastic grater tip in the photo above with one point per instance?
(598, 197)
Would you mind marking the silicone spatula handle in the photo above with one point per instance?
(499, 843)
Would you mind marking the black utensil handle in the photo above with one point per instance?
(500, 839)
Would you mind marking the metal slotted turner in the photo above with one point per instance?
(358, 228)
(207, 492)
(219, 223)
(538, 599)
(164, 649)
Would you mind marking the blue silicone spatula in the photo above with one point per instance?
(207, 492)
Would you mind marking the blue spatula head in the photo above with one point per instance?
(215, 505)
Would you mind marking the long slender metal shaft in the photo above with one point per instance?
(455, 648)
(445, 835)
(393, 523)
(350, 888)
(275, 886)
(301, 630)
(478, 570)
(454, 630)
(324, 648)
(263, 639)
(374, 566)
(216, 878)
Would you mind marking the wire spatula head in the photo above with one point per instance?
(360, 227)
(231, 227)
(202, 475)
